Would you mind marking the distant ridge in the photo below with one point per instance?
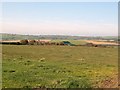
(6, 36)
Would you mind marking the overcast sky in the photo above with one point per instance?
(60, 18)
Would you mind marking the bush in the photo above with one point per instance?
(24, 42)
(32, 42)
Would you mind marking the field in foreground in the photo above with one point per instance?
(58, 66)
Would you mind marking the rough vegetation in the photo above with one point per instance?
(31, 66)
(54, 37)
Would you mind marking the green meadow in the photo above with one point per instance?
(32, 66)
(76, 42)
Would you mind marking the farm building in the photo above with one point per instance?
(68, 43)
(89, 44)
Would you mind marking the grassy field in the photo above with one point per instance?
(76, 42)
(57, 66)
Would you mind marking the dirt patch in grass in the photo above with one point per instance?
(109, 82)
(98, 42)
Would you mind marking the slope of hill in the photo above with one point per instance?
(54, 37)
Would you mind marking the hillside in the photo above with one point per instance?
(54, 37)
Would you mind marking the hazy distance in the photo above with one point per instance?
(60, 18)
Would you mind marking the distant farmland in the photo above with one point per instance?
(5, 36)
(31, 66)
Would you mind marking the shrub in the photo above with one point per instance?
(32, 42)
(24, 42)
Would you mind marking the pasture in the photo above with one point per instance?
(34, 66)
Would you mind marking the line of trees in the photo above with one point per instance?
(38, 42)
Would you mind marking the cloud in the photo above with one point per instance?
(60, 27)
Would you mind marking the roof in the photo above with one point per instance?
(66, 42)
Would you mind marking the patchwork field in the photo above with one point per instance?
(31, 66)
(101, 42)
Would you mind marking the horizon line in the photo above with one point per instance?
(62, 35)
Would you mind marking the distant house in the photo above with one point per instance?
(89, 44)
(68, 43)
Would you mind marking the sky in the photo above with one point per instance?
(60, 18)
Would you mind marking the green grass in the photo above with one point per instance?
(76, 42)
(56, 66)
